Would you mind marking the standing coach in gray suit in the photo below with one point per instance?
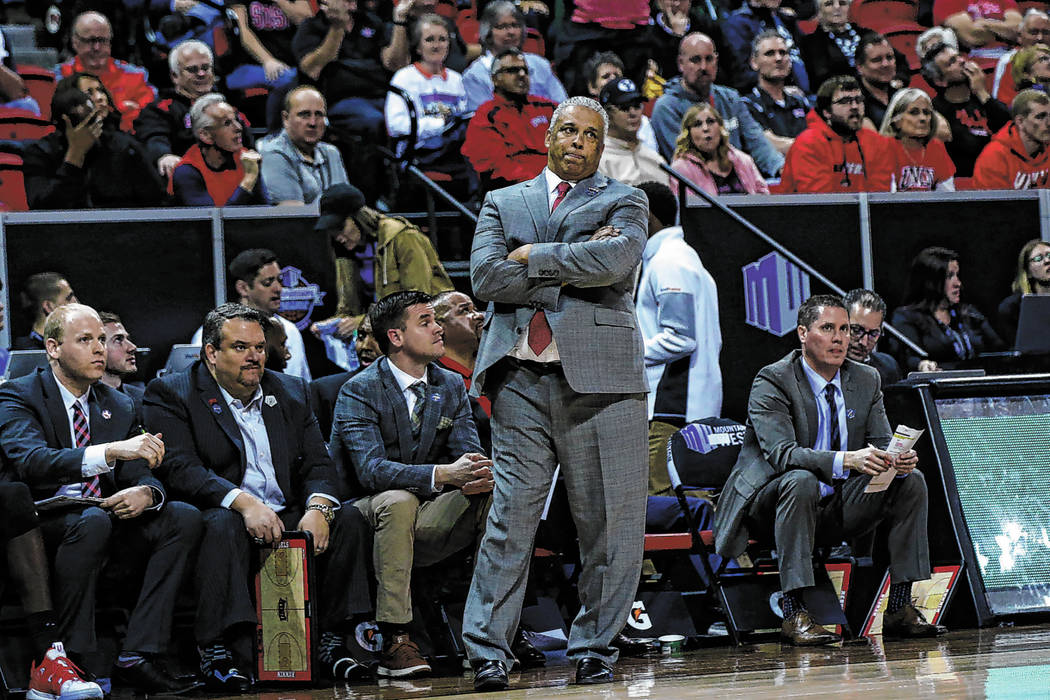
(561, 360)
(816, 434)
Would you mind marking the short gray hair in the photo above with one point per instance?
(490, 16)
(198, 118)
(580, 101)
(184, 47)
(1032, 13)
(942, 35)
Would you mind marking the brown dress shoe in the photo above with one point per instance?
(802, 631)
(908, 623)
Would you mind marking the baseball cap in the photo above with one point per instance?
(337, 203)
(620, 92)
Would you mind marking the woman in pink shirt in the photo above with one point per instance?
(703, 154)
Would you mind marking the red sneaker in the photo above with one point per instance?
(58, 678)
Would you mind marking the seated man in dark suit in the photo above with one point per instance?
(245, 448)
(404, 434)
(120, 359)
(65, 433)
(867, 311)
(325, 391)
(814, 419)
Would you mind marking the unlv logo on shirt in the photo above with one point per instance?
(916, 177)
(976, 123)
(1031, 181)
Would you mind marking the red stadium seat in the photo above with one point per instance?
(534, 42)
(903, 38)
(40, 83)
(12, 183)
(917, 81)
(808, 26)
(468, 26)
(21, 124)
(879, 15)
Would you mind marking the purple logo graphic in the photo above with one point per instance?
(299, 297)
(774, 288)
(703, 438)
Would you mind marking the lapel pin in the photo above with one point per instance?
(592, 191)
(435, 397)
(106, 414)
(850, 414)
(215, 407)
(270, 401)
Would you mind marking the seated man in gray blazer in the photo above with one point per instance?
(404, 433)
(816, 434)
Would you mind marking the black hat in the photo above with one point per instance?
(337, 203)
(620, 92)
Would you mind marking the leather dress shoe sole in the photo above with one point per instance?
(590, 670)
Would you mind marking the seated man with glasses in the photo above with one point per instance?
(867, 311)
(92, 40)
(834, 154)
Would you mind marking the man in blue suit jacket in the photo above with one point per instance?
(246, 450)
(561, 359)
(65, 433)
(404, 432)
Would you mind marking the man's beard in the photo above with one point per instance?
(842, 128)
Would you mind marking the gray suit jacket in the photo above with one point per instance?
(781, 429)
(583, 286)
(372, 441)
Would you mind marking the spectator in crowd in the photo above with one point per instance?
(43, 293)
(63, 432)
(246, 450)
(835, 154)
(92, 39)
(217, 171)
(936, 320)
(597, 25)
(1035, 29)
(931, 37)
(604, 66)
(349, 54)
(164, 126)
(86, 162)
(325, 391)
(962, 99)
(922, 160)
(986, 29)
(91, 86)
(52, 674)
(876, 68)
(439, 101)
(1033, 277)
(1031, 69)
(797, 445)
(13, 93)
(505, 136)
(831, 49)
(867, 311)
(461, 322)
(779, 109)
(404, 432)
(677, 309)
(698, 64)
(256, 276)
(625, 157)
(277, 352)
(751, 19)
(503, 27)
(121, 363)
(672, 20)
(1016, 158)
(264, 56)
(297, 165)
(703, 155)
(375, 255)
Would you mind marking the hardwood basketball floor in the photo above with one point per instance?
(1012, 662)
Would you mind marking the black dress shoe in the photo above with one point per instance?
(635, 648)
(590, 670)
(148, 677)
(489, 674)
(528, 656)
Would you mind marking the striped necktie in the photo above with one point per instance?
(835, 442)
(420, 390)
(91, 487)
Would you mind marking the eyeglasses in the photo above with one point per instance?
(193, 70)
(855, 100)
(859, 332)
(514, 69)
(93, 40)
(1039, 258)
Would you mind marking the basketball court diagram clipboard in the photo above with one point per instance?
(286, 633)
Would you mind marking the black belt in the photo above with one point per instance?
(535, 367)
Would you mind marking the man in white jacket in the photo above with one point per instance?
(677, 308)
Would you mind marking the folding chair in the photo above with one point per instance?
(701, 456)
(40, 84)
(21, 125)
(12, 183)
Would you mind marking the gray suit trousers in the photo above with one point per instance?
(789, 511)
(599, 440)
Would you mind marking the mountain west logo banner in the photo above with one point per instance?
(298, 297)
(774, 289)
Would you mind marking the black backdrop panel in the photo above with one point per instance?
(156, 275)
(988, 235)
(826, 236)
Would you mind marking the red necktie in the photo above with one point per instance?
(540, 334)
(90, 487)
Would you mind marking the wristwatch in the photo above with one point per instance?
(327, 511)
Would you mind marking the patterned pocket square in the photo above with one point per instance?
(444, 423)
